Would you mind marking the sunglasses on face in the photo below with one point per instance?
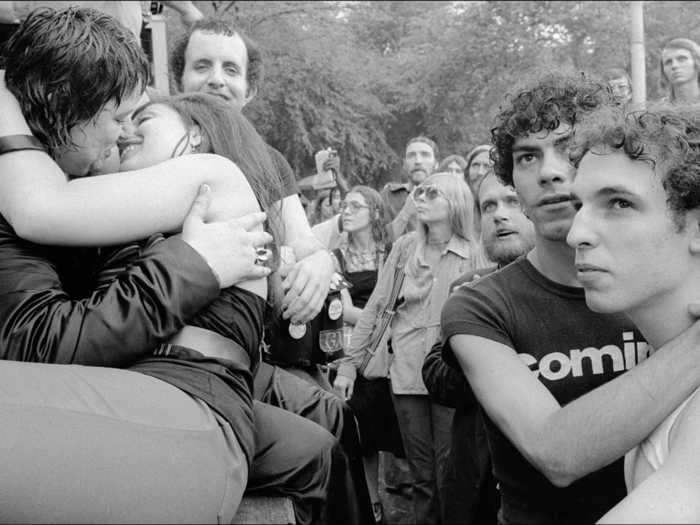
(351, 206)
(430, 191)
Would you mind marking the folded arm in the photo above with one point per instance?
(566, 443)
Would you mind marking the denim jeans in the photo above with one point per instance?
(425, 431)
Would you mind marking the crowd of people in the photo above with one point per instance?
(513, 329)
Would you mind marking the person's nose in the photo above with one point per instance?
(502, 213)
(555, 168)
(581, 235)
(216, 77)
(127, 129)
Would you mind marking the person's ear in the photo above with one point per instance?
(692, 222)
(250, 94)
(195, 134)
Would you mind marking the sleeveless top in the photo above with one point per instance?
(647, 457)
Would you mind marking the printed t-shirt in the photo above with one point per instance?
(572, 350)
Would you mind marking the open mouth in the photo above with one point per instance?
(505, 234)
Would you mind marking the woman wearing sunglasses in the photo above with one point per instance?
(442, 248)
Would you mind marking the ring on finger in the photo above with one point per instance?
(262, 256)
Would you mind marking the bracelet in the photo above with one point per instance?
(11, 143)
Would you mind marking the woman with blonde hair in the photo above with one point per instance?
(443, 247)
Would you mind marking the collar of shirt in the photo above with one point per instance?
(457, 245)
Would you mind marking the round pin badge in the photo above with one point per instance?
(297, 331)
(335, 309)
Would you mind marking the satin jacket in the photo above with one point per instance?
(50, 312)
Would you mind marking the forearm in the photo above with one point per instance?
(43, 207)
(612, 419)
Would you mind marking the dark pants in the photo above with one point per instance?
(293, 457)
(425, 431)
(469, 493)
(348, 496)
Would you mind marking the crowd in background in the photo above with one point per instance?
(340, 341)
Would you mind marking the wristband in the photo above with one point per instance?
(11, 143)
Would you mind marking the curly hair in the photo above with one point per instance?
(553, 100)
(64, 66)
(254, 69)
(668, 138)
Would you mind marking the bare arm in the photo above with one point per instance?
(43, 207)
(307, 284)
(606, 422)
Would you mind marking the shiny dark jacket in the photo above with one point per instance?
(51, 313)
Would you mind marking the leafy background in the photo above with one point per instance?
(363, 77)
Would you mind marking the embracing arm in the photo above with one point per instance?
(43, 207)
(566, 443)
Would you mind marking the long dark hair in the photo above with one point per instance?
(378, 219)
(226, 132)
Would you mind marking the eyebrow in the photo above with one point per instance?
(607, 191)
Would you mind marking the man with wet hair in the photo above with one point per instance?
(566, 391)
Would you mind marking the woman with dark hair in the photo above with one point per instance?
(178, 384)
(363, 247)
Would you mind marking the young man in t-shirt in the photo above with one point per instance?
(553, 377)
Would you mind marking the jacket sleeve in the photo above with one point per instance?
(143, 305)
(347, 366)
(446, 386)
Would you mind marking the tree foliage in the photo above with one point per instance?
(364, 77)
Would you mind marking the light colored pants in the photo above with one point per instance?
(89, 444)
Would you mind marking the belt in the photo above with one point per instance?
(209, 344)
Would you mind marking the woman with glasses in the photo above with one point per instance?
(442, 248)
(363, 247)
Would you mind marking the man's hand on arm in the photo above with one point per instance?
(228, 247)
(566, 443)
